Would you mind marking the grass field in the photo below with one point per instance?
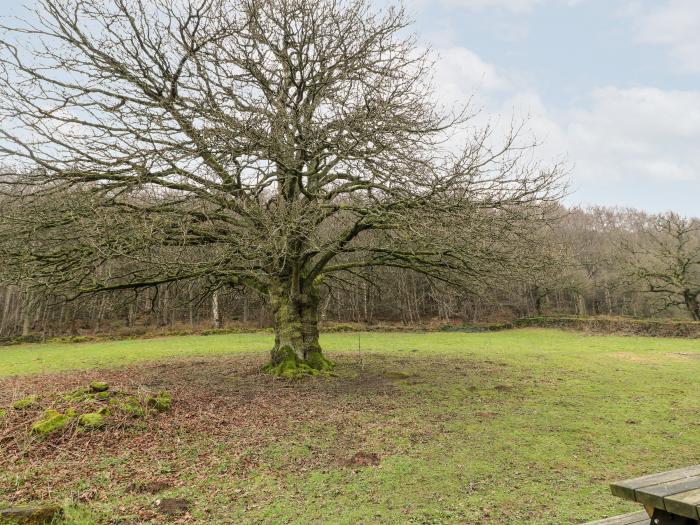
(517, 427)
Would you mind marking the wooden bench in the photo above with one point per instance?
(636, 518)
(669, 498)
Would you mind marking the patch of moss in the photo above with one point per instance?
(52, 421)
(3, 412)
(162, 402)
(25, 403)
(99, 386)
(289, 366)
(77, 395)
(91, 420)
(132, 406)
(318, 361)
(101, 396)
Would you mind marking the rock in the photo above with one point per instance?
(99, 386)
(92, 420)
(52, 421)
(132, 406)
(23, 404)
(31, 514)
(173, 506)
(162, 402)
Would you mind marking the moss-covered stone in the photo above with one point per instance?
(31, 514)
(25, 403)
(102, 396)
(91, 420)
(161, 402)
(132, 406)
(52, 421)
(99, 386)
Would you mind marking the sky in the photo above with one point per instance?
(609, 87)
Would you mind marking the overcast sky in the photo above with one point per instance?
(612, 86)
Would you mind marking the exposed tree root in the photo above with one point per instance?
(288, 365)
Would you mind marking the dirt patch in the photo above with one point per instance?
(363, 459)
(655, 358)
(227, 418)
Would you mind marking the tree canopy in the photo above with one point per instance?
(273, 144)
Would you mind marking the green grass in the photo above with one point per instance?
(517, 427)
(514, 346)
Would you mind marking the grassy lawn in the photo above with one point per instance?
(516, 427)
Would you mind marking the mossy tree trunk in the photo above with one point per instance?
(297, 350)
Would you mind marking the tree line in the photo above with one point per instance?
(593, 261)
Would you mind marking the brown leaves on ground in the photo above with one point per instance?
(226, 418)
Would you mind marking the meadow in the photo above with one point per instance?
(519, 427)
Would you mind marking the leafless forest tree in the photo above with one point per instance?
(285, 147)
(189, 163)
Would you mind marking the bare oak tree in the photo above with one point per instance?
(295, 140)
(666, 259)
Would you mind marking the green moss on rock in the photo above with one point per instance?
(91, 420)
(162, 402)
(52, 421)
(101, 396)
(132, 406)
(25, 403)
(31, 514)
(99, 386)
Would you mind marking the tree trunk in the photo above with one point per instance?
(692, 302)
(297, 350)
(215, 313)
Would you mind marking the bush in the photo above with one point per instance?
(616, 325)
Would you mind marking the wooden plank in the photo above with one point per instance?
(684, 503)
(655, 494)
(626, 489)
(635, 518)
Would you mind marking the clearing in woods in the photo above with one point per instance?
(518, 427)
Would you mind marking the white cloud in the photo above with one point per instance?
(616, 141)
(461, 74)
(635, 134)
(676, 24)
